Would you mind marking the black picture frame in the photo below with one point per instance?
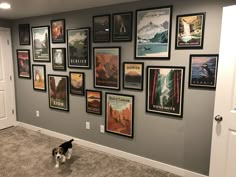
(24, 34)
(203, 71)
(59, 59)
(107, 66)
(94, 102)
(101, 28)
(133, 73)
(77, 83)
(41, 44)
(60, 100)
(190, 31)
(122, 120)
(23, 63)
(122, 27)
(165, 90)
(39, 77)
(79, 55)
(58, 31)
(153, 33)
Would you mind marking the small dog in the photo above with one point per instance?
(63, 152)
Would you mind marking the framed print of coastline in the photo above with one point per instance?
(23, 61)
(24, 34)
(94, 102)
(39, 77)
(133, 75)
(165, 89)
(41, 43)
(153, 33)
(119, 117)
(107, 67)
(59, 59)
(77, 83)
(58, 31)
(203, 71)
(122, 27)
(78, 41)
(58, 92)
(101, 28)
(190, 31)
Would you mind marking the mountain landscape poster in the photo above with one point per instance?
(94, 102)
(23, 63)
(165, 89)
(153, 33)
(77, 83)
(119, 114)
(101, 28)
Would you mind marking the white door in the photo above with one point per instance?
(7, 93)
(223, 152)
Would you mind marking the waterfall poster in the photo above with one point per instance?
(119, 114)
(165, 87)
(203, 71)
(153, 32)
(190, 31)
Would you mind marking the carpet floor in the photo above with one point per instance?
(26, 153)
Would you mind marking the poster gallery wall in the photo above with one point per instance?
(179, 141)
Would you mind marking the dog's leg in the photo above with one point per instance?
(69, 153)
(57, 163)
(63, 159)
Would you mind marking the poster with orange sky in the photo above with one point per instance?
(119, 114)
(94, 102)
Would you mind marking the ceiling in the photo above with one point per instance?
(29, 8)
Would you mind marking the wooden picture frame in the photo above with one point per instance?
(59, 59)
(77, 81)
(58, 93)
(101, 28)
(24, 34)
(39, 77)
(94, 102)
(165, 90)
(78, 41)
(119, 117)
(58, 31)
(23, 63)
(190, 31)
(107, 67)
(153, 33)
(41, 44)
(133, 75)
(122, 27)
(203, 70)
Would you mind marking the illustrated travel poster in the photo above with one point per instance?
(94, 103)
(133, 75)
(39, 77)
(153, 33)
(101, 28)
(58, 31)
(165, 90)
(77, 83)
(58, 58)
(23, 60)
(24, 34)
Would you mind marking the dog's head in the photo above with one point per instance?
(57, 152)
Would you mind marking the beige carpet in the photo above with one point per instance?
(25, 153)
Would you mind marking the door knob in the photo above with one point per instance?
(218, 118)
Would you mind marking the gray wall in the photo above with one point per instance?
(5, 23)
(184, 143)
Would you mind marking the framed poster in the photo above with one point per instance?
(101, 28)
(153, 33)
(41, 44)
(23, 61)
(58, 31)
(24, 34)
(94, 102)
(122, 27)
(119, 114)
(59, 59)
(203, 71)
(190, 31)
(79, 48)
(58, 92)
(77, 83)
(133, 75)
(165, 89)
(107, 67)
(39, 77)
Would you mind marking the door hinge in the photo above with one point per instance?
(13, 111)
(10, 78)
(8, 42)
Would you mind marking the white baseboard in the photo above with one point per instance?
(128, 156)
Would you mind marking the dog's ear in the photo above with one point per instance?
(53, 151)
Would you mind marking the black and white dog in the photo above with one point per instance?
(63, 152)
